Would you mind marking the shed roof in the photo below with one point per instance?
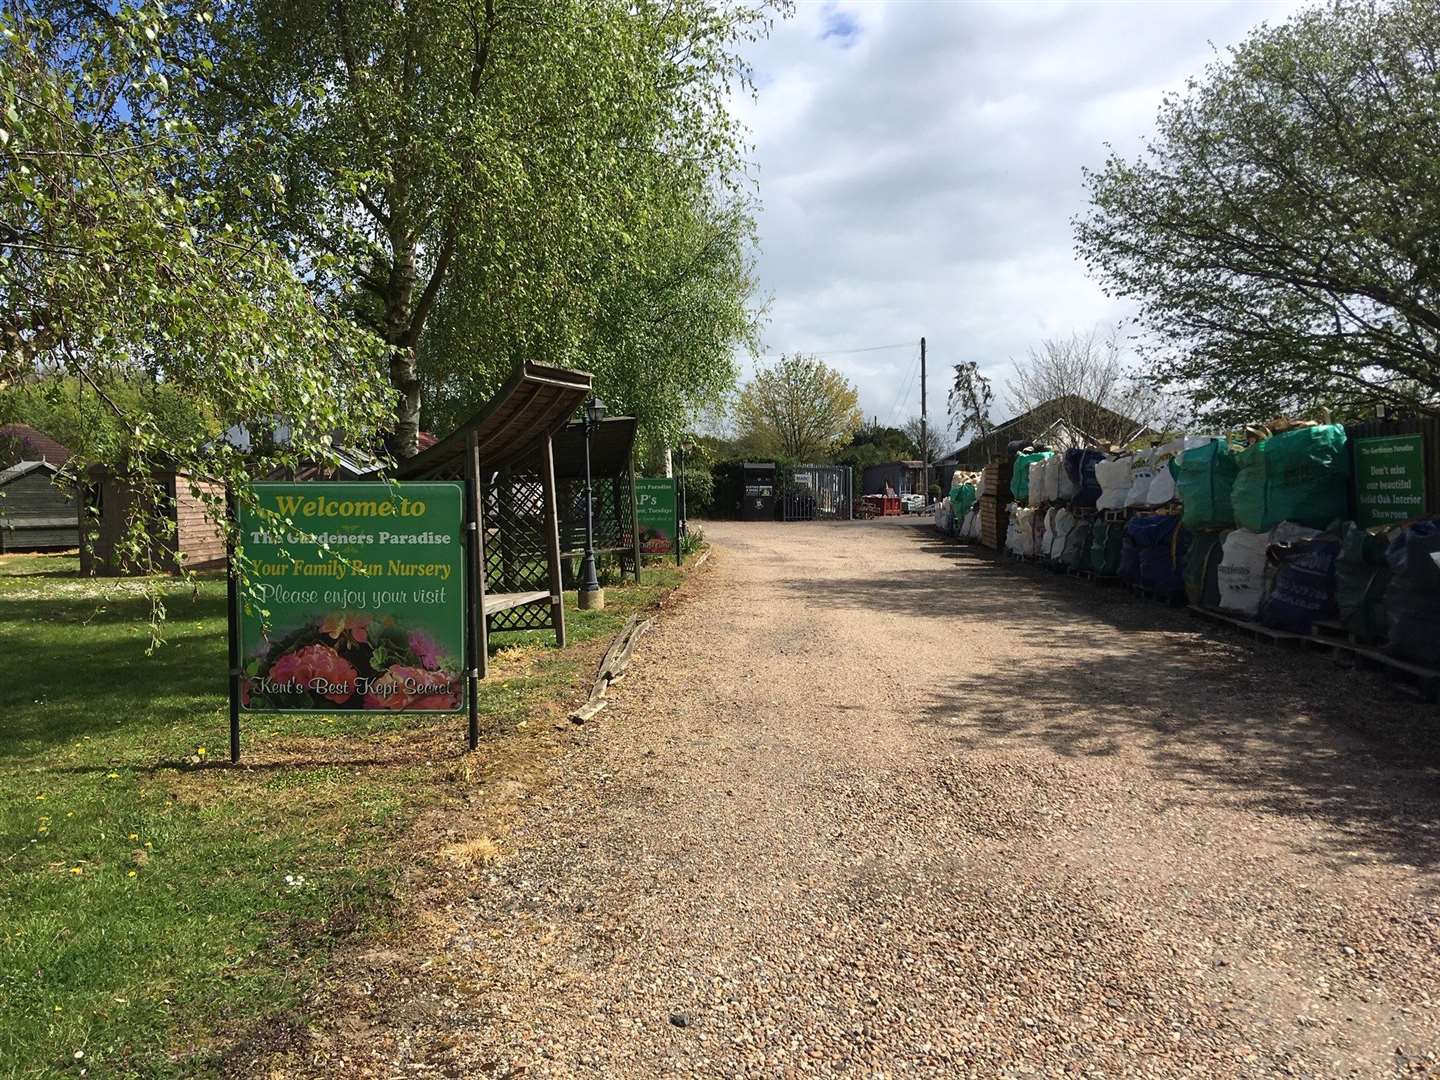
(536, 401)
(21, 468)
(610, 447)
(35, 445)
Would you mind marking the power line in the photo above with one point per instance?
(906, 386)
(842, 352)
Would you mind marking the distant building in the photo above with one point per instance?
(36, 514)
(1061, 424)
(21, 442)
(893, 478)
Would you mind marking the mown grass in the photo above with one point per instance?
(153, 906)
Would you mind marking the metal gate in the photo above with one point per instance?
(818, 493)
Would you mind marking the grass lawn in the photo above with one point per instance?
(156, 906)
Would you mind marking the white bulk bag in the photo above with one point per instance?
(1142, 472)
(1162, 486)
(1241, 573)
(1053, 469)
(1065, 488)
(1114, 477)
(1047, 535)
(1025, 525)
(1036, 494)
(944, 513)
(970, 527)
(1064, 524)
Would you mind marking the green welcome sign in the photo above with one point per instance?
(1389, 479)
(357, 597)
(655, 514)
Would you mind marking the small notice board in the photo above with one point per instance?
(1389, 478)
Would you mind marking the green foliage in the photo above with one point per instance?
(491, 181)
(117, 276)
(1279, 232)
(799, 410)
(699, 490)
(67, 410)
(874, 443)
(972, 398)
(934, 492)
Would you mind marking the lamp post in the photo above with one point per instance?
(591, 596)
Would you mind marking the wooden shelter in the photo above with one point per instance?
(612, 475)
(36, 514)
(506, 457)
(189, 535)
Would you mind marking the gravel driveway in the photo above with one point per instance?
(872, 804)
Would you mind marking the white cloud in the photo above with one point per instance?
(919, 164)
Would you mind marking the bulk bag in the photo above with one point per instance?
(1202, 566)
(1412, 598)
(1037, 484)
(1241, 575)
(1047, 534)
(944, 516)
(1142, 472)
(1129, 570)
(1080, 467)
(1204, 476)
(1300, 475)
(1113, 476)
(1304, 584)
(1020, 477)
(1058, 485)
(1361, 576)
(1160, 552)
(1162, 487)
(1059, 535)
(962, 497)
(1106, 546)
(1076, 551)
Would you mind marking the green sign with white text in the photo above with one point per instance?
(655, 514)
(357, 597)
(1389, 479)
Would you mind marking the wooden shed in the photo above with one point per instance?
(36, 514)
(188, 535)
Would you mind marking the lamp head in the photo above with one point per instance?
(594, 410)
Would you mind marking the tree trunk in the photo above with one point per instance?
(404, 440)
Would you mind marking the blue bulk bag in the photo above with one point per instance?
(1412, 599)
(1080, 467)
(1304, 588)
(1160, 544)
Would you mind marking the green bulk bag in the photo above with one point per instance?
(1202, 566)
(1106, 540)
(1301, 476)
(1204, 478)
(962, 497)
(1020, 478)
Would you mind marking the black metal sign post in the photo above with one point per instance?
(476, 646)
(232, 622)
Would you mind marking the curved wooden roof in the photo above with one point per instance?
(610, 447)
(538, 400)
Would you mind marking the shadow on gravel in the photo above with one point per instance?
(1283, 732)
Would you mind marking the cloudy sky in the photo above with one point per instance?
(919, 163)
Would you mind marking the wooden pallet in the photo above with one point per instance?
(1425, 681)
(1167, 598)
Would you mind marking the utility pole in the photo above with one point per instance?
(924, 431)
